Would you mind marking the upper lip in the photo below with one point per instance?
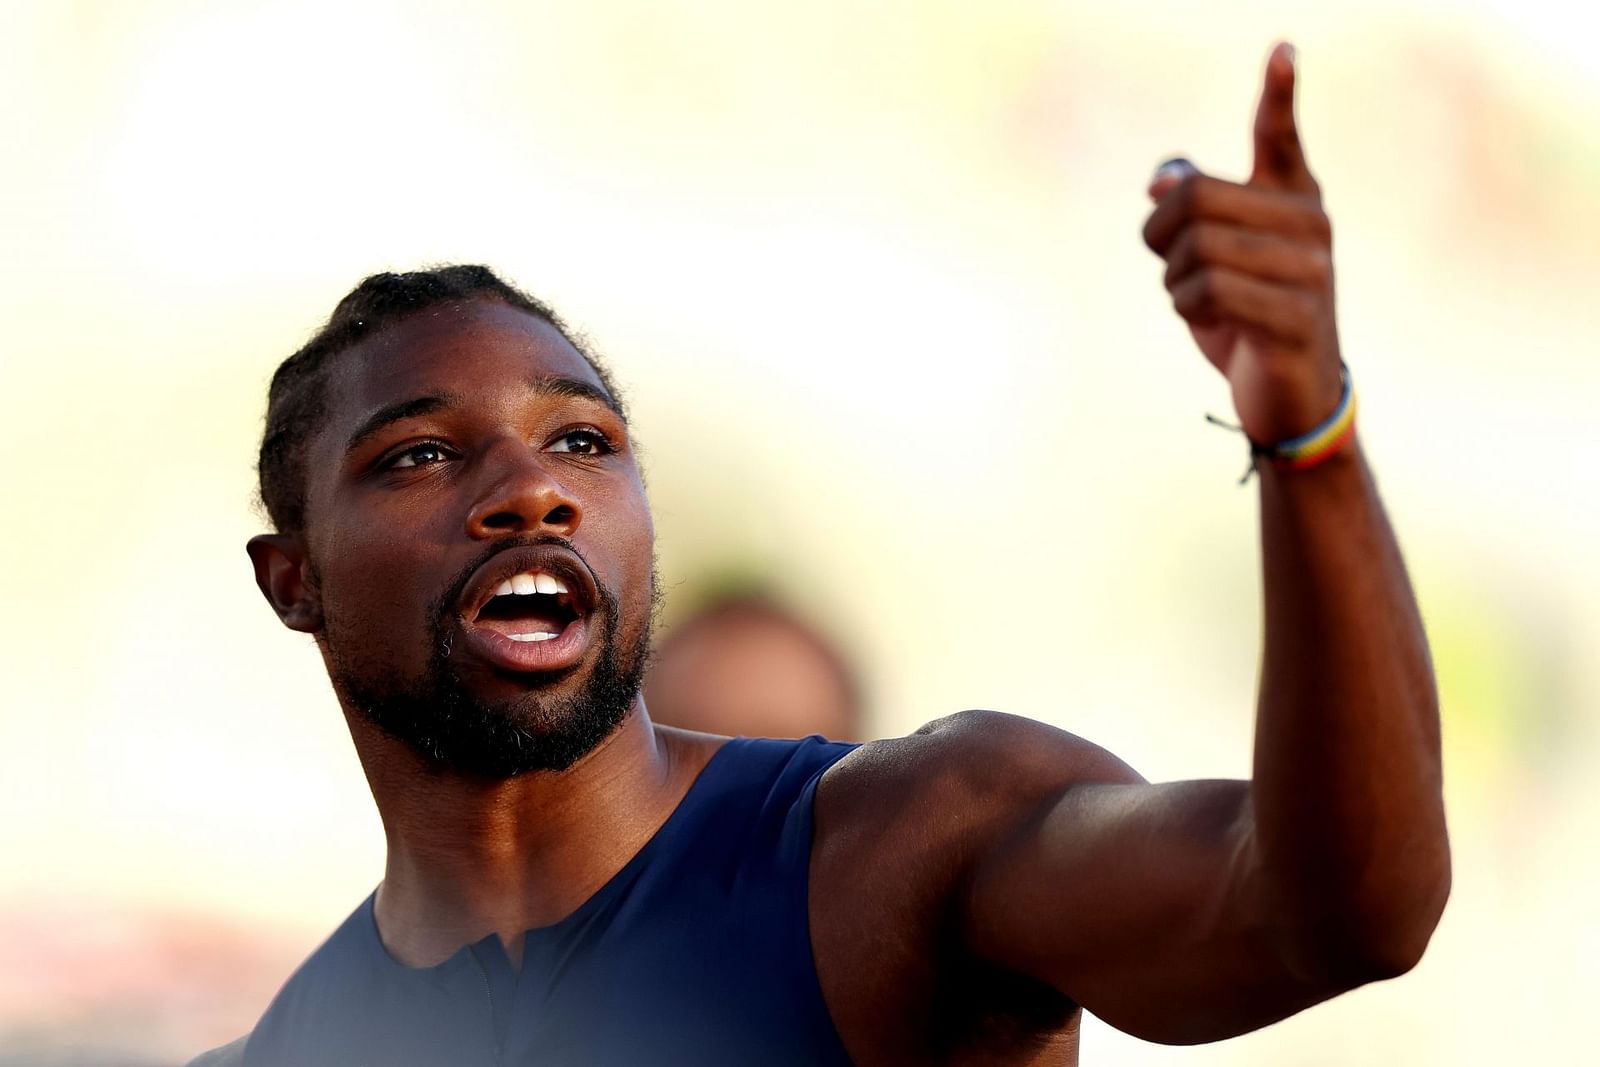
(562, 563)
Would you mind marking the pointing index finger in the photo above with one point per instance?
(1279, 160)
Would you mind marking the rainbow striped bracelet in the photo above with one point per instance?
(1314, 446)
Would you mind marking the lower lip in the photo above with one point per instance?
(558, 653)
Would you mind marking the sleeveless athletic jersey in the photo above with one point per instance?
(697, 952)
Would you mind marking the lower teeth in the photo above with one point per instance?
(530, 637)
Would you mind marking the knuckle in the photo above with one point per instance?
(1199, 295)
(1320, 226)
(1319, 268)
(1147, 232)
(1155, 229)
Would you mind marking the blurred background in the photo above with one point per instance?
(871, 274)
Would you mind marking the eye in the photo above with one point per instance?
(418, 455)
(583, 443)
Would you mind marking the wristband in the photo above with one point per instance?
(1315, 445)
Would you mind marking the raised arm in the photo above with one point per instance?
(1196, 910)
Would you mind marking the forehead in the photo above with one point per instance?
(472, 349)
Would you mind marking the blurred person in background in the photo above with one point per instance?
(742, 663)
(461, 525)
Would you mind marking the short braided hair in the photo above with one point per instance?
(297, 398)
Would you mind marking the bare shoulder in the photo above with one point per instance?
(980, 762)
(903, 822)
(899, 826)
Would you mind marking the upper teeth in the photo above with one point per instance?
(529, 584)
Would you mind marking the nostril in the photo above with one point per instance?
(559, 516)
(503, 520)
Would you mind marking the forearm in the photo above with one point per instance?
(1348, 814)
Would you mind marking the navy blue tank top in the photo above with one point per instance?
(697, 952)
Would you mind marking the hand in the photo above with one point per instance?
(1250, 269)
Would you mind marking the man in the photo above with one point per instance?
(462, 527)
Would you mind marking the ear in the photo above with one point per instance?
(283, 575)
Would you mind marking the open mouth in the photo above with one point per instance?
(528, 611)
(530, 607)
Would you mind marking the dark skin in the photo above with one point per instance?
(977, 884)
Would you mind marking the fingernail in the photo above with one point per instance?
(1288, 53)
(1177, 168)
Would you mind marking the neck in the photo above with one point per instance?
(467, 858)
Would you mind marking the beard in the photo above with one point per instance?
(455, 730)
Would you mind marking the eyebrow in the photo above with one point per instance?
(577, 388)
(402, 409)
(416, 407)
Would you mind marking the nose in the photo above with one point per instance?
(523, 498)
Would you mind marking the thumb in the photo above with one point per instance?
(1280, 161)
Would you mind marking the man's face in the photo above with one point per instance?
(480, 541)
